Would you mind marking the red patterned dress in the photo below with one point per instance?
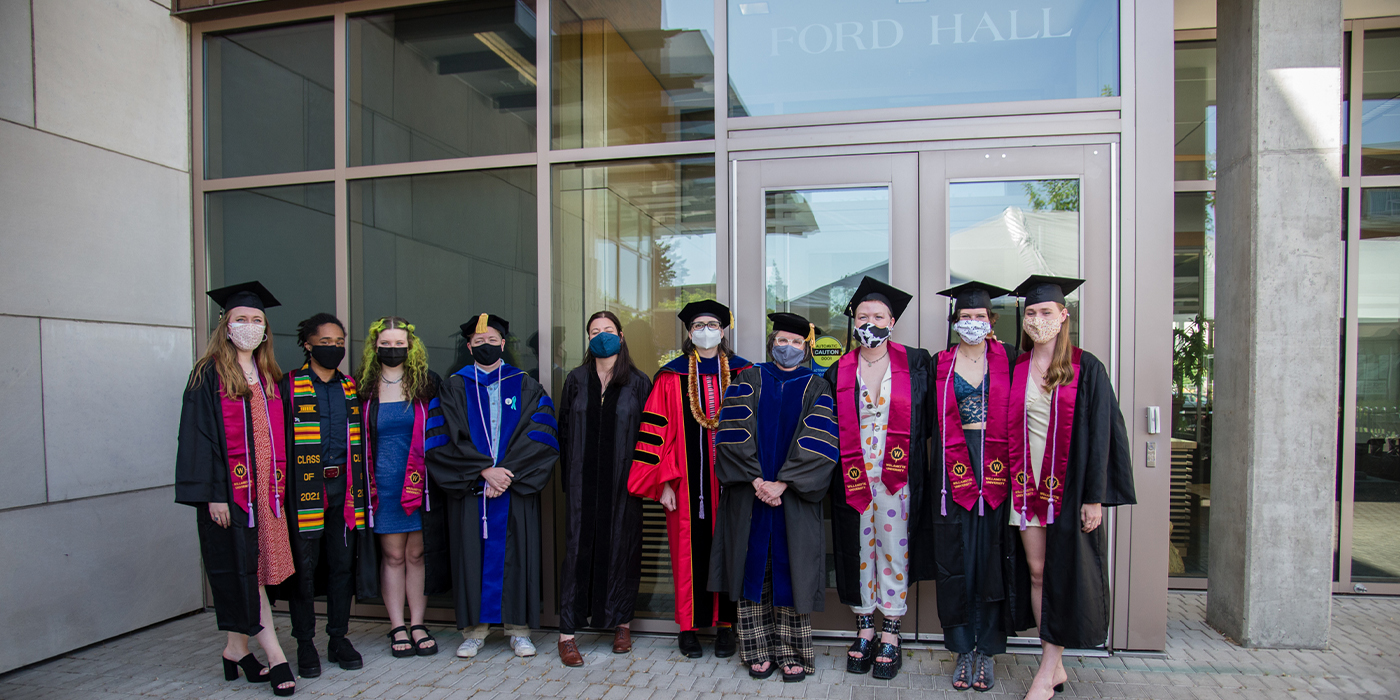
(274, 548)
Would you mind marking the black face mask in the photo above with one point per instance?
(327, 356)
(486, 353)
(392, 357)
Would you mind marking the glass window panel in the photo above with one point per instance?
(437, 249)
(798, 56)
(268, 100)
(1375, 548)
(442, 81)
(1002, 232)
(283, 237)
(632, 72)
(1193, 357)
(638, 239)
(1195, 110)
(820, 243)
(1380, 104)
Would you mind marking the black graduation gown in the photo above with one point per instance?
(602, 522)
(807, 461)
(437, 562)
(201, 477)
(1075, 605)
(845, 520)
(530, 452)
(995, 559)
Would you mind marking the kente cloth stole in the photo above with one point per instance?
(306, 448)
(958, 470)
(1043, 499)
(238, 443)
(894, 474)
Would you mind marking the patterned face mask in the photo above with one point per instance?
(972, 332)
(871, 335)
(1043, 329)
(246, 336)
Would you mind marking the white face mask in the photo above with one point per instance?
(1043, 329)
(972, 331)
(706, 338)
(246, 336)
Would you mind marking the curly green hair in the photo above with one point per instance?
(416, 385)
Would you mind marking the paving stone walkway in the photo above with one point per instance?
(179, 659)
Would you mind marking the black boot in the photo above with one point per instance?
(690, 644)
(725, 645)
(308, 661)
(341, 652)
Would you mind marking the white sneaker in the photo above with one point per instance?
(469, 648)
(522, 646)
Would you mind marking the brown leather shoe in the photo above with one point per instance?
(568, 652)
(622, 640)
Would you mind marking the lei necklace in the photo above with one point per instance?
(694, 377)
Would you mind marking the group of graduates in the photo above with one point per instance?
(983, 468)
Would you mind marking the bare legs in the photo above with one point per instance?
(1052, 668)
(401, 576)
(237, 646)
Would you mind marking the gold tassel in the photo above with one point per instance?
(811, 334)
(481, 323)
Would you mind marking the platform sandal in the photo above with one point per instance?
(419, 645)
(279, 674)
(886, 670)
(251, 668)
(394, 643)
(864, 647)
(764, 674)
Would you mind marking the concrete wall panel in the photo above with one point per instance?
(114, 74)
(94, 569)
(91, 234)
(111, 405)
(16, 62)
(22, 430)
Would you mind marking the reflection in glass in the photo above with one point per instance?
(442, 81)
(1375, 548)
(1195, 110)
(800, 56)
(1003, 232)
(638, 239)
(437, 249)
(283, 237)
(632, 72)
(1380, 104)
(268, 100)
(1193, 382)
(820, 243)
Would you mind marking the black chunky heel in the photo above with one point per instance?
(887, 670)
(864, 647)
(251, 668)
(279, 674)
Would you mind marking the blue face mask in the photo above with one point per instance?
(605, 345)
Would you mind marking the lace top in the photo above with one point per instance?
(972, 405)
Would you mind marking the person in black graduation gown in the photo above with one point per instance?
(230, 466)
(879, 496)
(600, 412)
(500, 453)
(1069, 460)
(776, 449)
(973, 391)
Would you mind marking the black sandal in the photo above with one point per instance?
(887, 670)
(427, 637)
(394, 643)
(255, 671)
(798, 677)
(962, 673)
(761, 675)
(864, 647)
(279, 674)
(986, 674)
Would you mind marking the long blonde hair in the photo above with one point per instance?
(1061, 370)
(221, 354)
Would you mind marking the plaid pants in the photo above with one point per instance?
(769, 632)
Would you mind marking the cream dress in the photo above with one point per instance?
(1038, 423)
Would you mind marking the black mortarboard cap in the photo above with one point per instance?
(1038, 289)
(708, 307)
(871, 289)
(482, 321)
(973, 295)
(250, 294)
(792, 323)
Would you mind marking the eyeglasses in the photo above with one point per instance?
(712, 325)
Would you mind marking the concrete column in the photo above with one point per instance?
(1279, 285)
